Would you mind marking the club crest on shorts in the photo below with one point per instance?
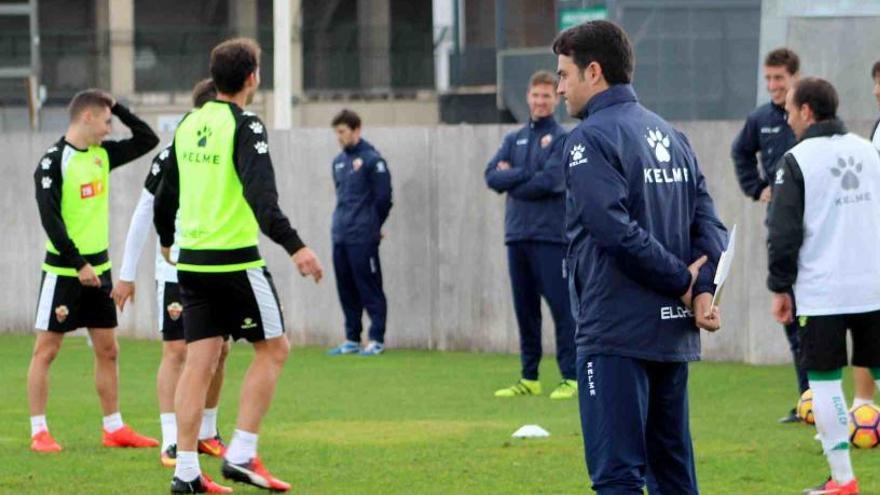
(546, 140)
(175, 310)
(248, 324)
(61, 313)
(357, 164)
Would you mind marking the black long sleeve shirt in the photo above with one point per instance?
(49, 177)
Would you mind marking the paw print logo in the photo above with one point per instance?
(847, 171)
(155, 168)
(45, 163)
(256, 127)
(164, 154)
(175, 309)
(262, 147)
(61, 313)
(53, 149)
(46, 182)
(577, 153)
(660, 144)
(203, 134)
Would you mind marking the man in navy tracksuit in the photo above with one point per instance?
(528, 167)
(767, 132)
(363, 201)
(644, 241)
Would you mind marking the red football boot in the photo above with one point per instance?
(253, 473)
(127, 437)
(43, 442)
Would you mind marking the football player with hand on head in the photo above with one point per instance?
(73, 196)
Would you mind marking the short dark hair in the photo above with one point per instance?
(783, 57)
(542, 77)
(875, 70)
(203, 92)
(603, 42)
(347, 117)
(89, 98)
(232, 62)
(819, 95)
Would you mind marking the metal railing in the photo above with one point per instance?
(172, 60)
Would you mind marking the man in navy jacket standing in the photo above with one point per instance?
(644, 240)
(767, 133)
(363, 201)
(528, 167)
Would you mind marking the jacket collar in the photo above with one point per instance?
(542, 123)
(825, 128)
(362, 145)
(614, 95)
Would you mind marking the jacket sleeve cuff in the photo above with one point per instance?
(79, 261)
(683, 282)
(166, 240)
(778, 287)
(292, 243)
(756, 194)
(705, 280)
(119, 109)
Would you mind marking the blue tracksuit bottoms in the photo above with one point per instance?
(537, 269)
(359, 283)
(634, 418)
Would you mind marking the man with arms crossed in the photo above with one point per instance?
(823, 244)
(220, 185)
(73, 189)
(528, 167)
(637, 215)
(170, 312)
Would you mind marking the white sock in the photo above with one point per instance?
(858, 401)
(209, 424)
(841, 466)
(243, 447)
(187, 468)
(38, 424)
(113, 422)
(832, 421)
(169, 429)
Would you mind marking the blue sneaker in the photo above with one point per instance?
(347, 347)
(372, 349)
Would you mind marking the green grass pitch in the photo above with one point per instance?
(406, 422)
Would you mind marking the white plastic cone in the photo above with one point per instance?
(531, 431)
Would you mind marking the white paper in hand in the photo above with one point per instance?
(531, 431)
(724, 264)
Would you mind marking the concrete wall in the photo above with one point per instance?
(844, 27)
(444, 259)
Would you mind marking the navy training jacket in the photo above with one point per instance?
(637, 213)
(767, 131)
(363, 194)
(535, 184)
